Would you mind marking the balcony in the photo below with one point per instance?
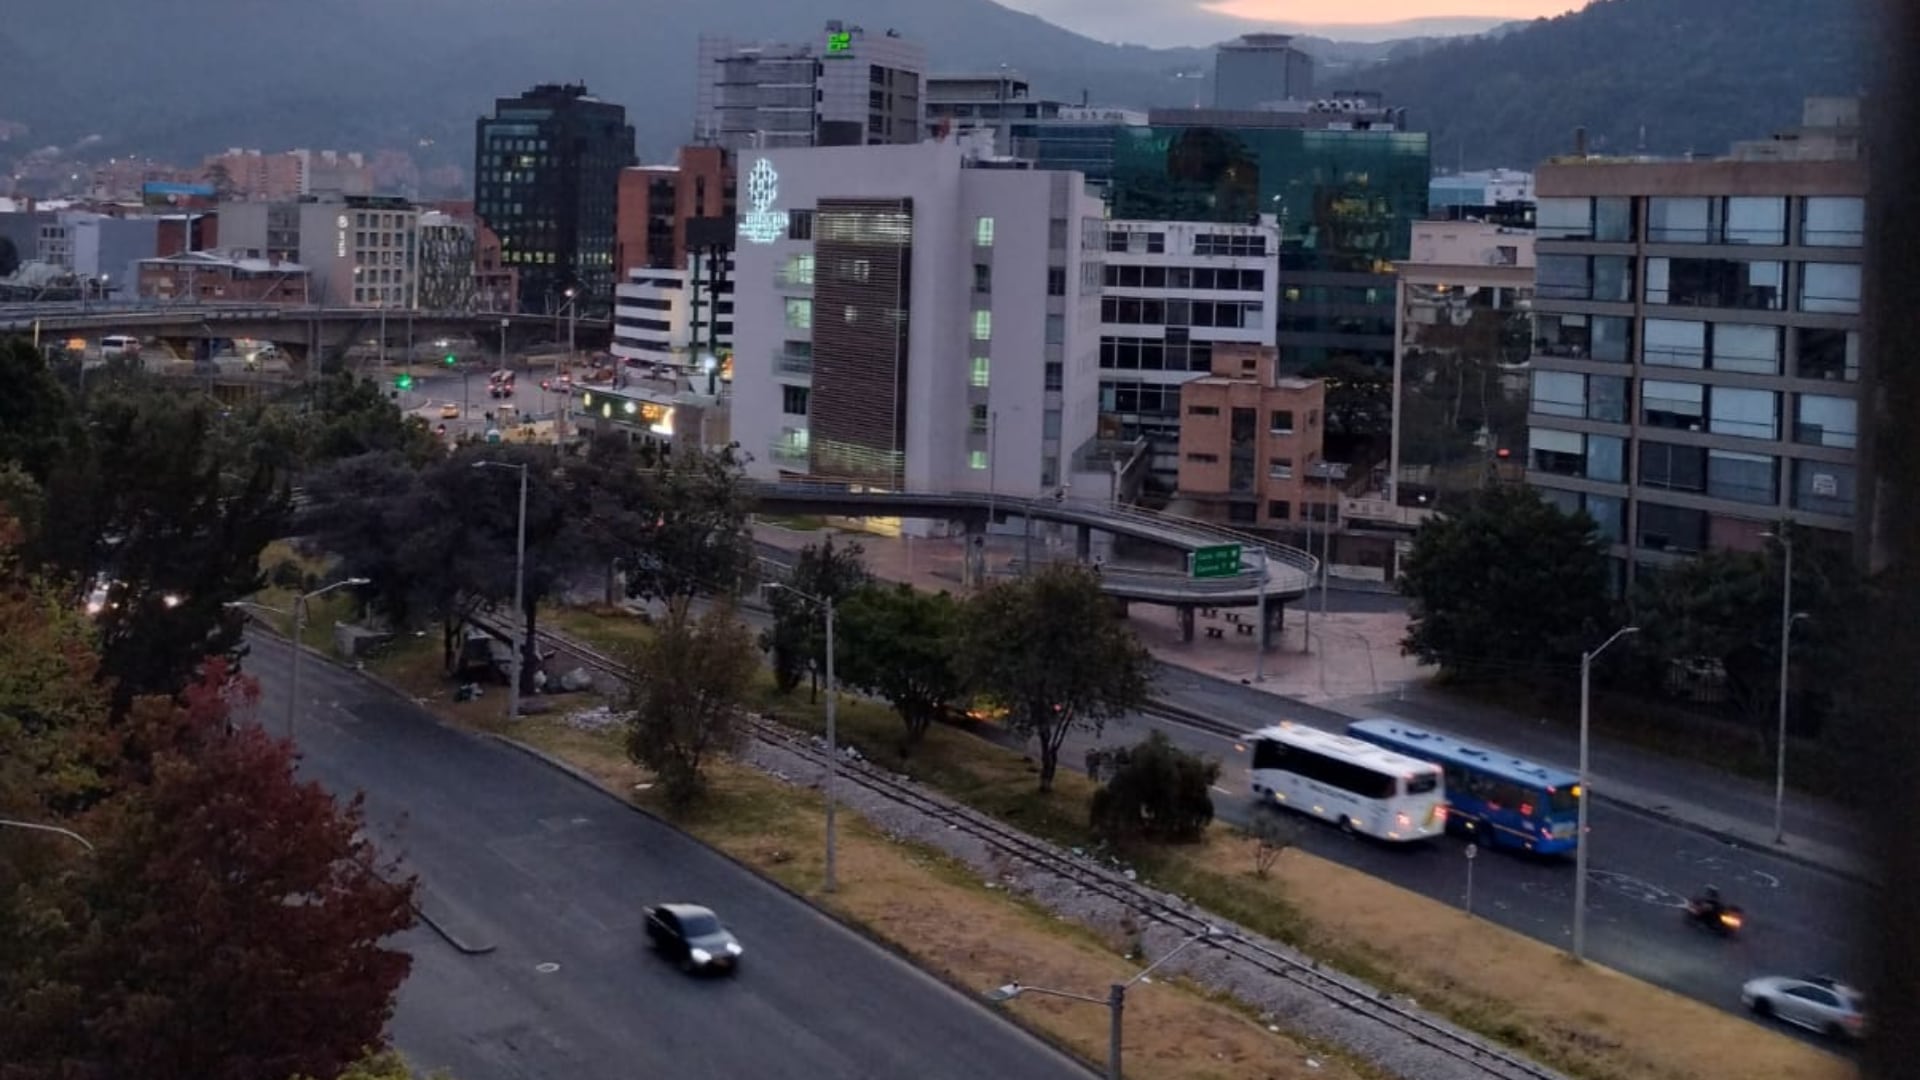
(790, 362)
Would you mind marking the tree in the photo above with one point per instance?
(1721, 610)
(689, 677)
(897, 643)
(150, 504)
(1272, 835)
(1507, 586)
(228, 925)
(1159, 792)
(351, 416)
(797, 637)
(9, 257)
(677, 521)
(384, 1065)
(1053, 649)
(38, 427)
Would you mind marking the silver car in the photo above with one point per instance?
(1817, 1002)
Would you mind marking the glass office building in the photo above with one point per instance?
(1346, 201)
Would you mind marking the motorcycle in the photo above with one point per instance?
(1723, 919)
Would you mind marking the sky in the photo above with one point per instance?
(1206, 22)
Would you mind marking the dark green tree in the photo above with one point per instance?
(1720, 613)
(39, 425)
(1158, 792)
(352, 415)
(1056, 652)
(898, 644)
(1508, 586)
(689, 679)
(677, 521)
(797, 637)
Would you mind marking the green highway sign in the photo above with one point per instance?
(1221, 560)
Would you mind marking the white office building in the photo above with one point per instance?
(906, 320)
(1170, 291)
(654, 314)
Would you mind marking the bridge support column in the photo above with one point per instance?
(1186, 623)
(1274, 623)
(973, 565)
(1082, 543)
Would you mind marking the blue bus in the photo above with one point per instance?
(1496, 798)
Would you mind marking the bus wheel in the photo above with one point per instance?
(1346, 824)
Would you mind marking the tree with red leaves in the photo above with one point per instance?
(231, 923)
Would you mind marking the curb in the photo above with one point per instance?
(970, 993)
(1201, 722)
(447, 935)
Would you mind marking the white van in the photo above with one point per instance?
(119, 345)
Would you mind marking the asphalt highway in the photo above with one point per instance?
(554, 874)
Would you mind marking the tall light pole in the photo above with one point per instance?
(36, 827)
(1787, 619)
(1115, 1001)
(825, 604)
(503, 343)
(1586, 793)
(297, 616)
(572, 311)
(519, 589)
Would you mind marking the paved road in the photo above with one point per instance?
(433, 391)
(1641, 871)
(553, 872)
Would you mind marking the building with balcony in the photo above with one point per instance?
(1171, 291)
(908, 321)
(546, 176)
(660, 318)
(1696, 355)
(846, 87)
(1251, 445)
(1000, 103)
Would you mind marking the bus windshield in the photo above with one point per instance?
(1562, 801)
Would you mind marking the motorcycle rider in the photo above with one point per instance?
(1709, 902)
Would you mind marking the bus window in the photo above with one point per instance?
(1422, 783)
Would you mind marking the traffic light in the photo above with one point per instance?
(403, 381)
(451, 360)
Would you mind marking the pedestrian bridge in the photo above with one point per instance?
(1269, 571)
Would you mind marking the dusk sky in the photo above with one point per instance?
(1203, 22)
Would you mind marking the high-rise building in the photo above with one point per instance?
(1171, 293)
(845, 88)
(1345, 188)
(657, 204)
(546, 175)
(1001, 103)
(1259, 69)
(1697, 343)
(905, 320)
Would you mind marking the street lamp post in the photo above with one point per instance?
(1115, 1001)
(1787, 619)
(825, 604)
(1586, 793)
(1260, 635)
(37, 827)
(298, 617)
(519, 588)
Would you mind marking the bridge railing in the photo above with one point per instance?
(1194, 530)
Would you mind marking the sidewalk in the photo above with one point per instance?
(1355, 669)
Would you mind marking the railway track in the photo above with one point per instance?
(1332, 987)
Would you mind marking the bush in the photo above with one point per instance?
(287, 574)
(1156, 792)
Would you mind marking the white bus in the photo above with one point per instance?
(1359, 786)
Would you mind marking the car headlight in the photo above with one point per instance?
(733, 949)
(701, 956)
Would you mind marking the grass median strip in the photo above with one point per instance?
(930, 907)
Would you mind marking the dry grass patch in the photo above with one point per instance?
(1586, 1019)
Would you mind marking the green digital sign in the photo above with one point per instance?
(1220, 560)
(839, 41)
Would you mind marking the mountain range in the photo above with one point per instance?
(368, 74)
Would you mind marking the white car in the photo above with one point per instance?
(1817, 1002)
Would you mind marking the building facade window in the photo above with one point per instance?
(1673, 343)
(793, 400)
(1559, 453)
(1055, 375)
(1723, 283)
(982, 371)
(1823, 487)
(1832, 221)
(1280, 422)
(1820, 420)
(1747, 478)
(1559, 393)
(1672, 528)
(1279, 509)
(1747, 414)
(1673, 468)
(983, 232)
(983, 326)
(799, 314)
(976, 459)
(1827, 354)
(1750, 350)
(1830, 288)
(982, 278)
(978, 419)
(1280, 468)
(1607, 398)
(1673, 405)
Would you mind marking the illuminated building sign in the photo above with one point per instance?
(762, 224)
(840, 43)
